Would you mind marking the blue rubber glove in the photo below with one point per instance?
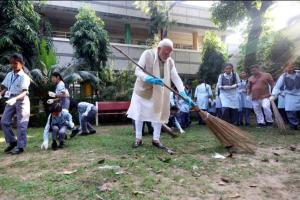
(153, 81)
(187, 98)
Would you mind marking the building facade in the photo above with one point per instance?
(127, 27)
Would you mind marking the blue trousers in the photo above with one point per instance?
(230, 115)
(183, 119)
(58, 132)
(22, 110)
(244, 115)
(293, 117)
(86, 121)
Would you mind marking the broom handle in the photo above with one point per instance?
(171, 89)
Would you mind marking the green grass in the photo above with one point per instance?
(38, 174)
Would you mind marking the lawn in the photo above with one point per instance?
(78, 171)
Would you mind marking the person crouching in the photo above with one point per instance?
(58, 122)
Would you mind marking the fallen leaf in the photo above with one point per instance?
(230, 155)
(265, 160)
(195, 167)
(276, 154)
(105, 187)
(138, 192)
(101, 161)
(221, 183)
(292, 148)
(66, 172)
(109, 167)
(120, 173)
(253, 185)
(166, 160)
(99, 197)
(235, 196)
(226, 180)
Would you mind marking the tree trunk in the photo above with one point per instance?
(253, 39)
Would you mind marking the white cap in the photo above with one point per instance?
(165, 42)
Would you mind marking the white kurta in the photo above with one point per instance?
(202, 93)
(142, 109)
(228, 97)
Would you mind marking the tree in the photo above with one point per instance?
(214, 56)
(19, 30)
(231, 13)
(89, 39)
(159, 16)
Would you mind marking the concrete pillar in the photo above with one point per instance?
(127, 34)
(195, 41)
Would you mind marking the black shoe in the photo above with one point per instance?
(74, 132)
(84, 134)
(61, 145)
(17, 151)
(260, 125)
(137, 144)
(10, 147)
(92, 132)
(269, 124)
(294, 127)
(54, 145)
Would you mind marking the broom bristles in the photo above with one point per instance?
(228, 134)
(278, 119)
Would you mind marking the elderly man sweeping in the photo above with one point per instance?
(150, 101)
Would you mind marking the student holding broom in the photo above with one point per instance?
(227, 84)
(259, 91)
(150, 101)
(291, 82)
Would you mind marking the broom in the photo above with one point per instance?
(226, 133)
(278, 119)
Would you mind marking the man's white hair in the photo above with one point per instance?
(165, 42)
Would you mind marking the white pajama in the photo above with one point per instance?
(139, 127)
(258, 105)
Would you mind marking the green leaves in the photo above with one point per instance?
(89, 39)
(19, 30)
(214, 55)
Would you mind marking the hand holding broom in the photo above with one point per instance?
(226, 133)
(278, 119)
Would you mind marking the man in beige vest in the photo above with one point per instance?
(150, 101)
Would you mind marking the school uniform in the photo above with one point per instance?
(15, 85)
(280, 104)
(245, 105)
(212, 107)
(218, 104)
(64, 101)
(291, 84)
(87, 113)
(229, 97)
(58, 126)
(183, 115)
(202, 94)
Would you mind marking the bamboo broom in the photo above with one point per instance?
(226, 133)
(278, 119)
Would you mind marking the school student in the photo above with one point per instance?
(14, 88)
(245, 105)
(58, 122)
(202, 94)
(291, 81)
(87, 113)
(173, 121)
(227, 84)
(61, 92)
